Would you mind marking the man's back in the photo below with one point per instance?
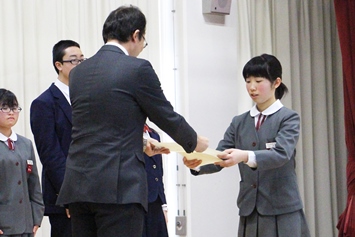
(112, 94)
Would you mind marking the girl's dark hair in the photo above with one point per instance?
(266, 66)
(7, 98)
(122, 23)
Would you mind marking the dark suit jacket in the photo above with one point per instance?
(154, 169)
(112, 95)
(51, 127)
(272, 187)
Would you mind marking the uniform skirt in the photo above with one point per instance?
(286, 225)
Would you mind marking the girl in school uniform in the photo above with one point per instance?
(21, 204)
(263, 142)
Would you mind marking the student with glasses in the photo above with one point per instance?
(21, 202)
(51, 125)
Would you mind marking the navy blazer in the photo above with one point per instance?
(51, 127)
(154, 169)
(112, 94)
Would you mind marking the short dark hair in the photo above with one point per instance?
(266, 66)
(59, 50)
(122, 23)
(7, 98)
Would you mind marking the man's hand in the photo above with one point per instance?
(67, 212)
(231, 157)
(35, 228)
(202, 143)
(152, 150)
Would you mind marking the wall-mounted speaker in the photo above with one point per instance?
(216, 6)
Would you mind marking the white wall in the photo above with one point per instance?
(212, 95)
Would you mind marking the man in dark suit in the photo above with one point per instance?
(112, 94)
(156, 217)
(51, 127)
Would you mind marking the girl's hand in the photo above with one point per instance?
(232, 157)
(1, 232)
(191, 164)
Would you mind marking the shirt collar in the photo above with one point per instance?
(276, 106)
(4, 138)
(118, 45)
(63, 88)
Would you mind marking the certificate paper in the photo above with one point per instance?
(209, 156)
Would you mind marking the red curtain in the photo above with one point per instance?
(345, 12)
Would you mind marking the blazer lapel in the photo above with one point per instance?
(62, 101)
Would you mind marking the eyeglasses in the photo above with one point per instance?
(74, 61)
(145, 42)
(8, 109)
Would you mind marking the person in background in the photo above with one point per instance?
(263, 143)
(51, 124)
(112, 95)
(21, 202)
(156, 218)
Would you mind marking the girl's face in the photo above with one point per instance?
(7, 121)
(261, 91)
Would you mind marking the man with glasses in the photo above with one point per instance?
(51, 127)
(112, 95)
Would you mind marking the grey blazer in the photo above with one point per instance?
(112, 94)
(272, 187)
(21, 203)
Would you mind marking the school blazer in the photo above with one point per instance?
(272, 187)
(50, 119)
(154, 169)
(21, 203)
(112, 95)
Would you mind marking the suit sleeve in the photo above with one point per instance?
(227, 142)
(52, 157)
(153, 102)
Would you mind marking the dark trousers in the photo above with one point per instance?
(103, 220)
(154, 223)
(60, 225)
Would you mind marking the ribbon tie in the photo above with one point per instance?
(11, 144)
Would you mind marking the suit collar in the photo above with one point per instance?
(61, 101)
(119, 46)
(112, 48)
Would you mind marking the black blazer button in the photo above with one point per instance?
(253, 144)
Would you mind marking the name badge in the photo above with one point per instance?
(29, 166)
(270, 145)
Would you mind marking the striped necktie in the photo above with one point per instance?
(11, 144)
(261, 119)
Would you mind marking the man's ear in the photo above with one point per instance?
(58, 65)
(135, 35)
